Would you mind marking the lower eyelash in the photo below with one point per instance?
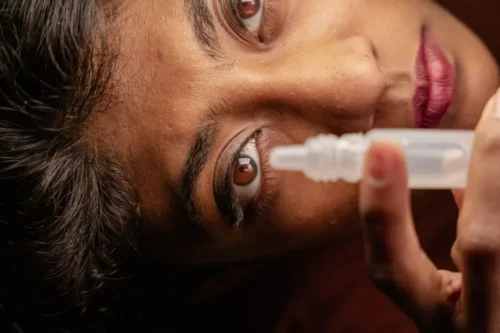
(264, 201)
(270, 11)
(268, 181)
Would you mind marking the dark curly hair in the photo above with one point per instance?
(68, 224)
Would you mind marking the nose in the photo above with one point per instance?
(340, 80)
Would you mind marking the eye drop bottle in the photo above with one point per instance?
(436, 159)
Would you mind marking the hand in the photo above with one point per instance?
(438, 301)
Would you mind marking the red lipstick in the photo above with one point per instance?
(435, 83)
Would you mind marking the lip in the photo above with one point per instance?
(435, 83)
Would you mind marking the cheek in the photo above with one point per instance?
(308, 207)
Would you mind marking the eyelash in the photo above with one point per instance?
(241, 30)
(262, 202)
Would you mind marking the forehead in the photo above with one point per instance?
(159, 71)
(159, 81)
(157, 44)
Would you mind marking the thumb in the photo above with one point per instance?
(458, 195)
(397, 264)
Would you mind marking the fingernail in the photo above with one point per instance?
(380, 167)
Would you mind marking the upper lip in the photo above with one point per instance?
(435, 83)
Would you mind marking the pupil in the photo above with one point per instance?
(248, 8)
(245, 171)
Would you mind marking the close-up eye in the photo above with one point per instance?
(246, 177)
(249, 14)
(243, 183)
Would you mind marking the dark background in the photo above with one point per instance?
(483, 16)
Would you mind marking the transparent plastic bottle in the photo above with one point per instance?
(436, 159)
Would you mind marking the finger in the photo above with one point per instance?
(478, 233)
(397, 264)
(485, 159)
(458, 195)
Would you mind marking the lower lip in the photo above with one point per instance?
(435, 83)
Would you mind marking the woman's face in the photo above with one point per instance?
(207, 87)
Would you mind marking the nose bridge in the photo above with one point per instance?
(342, 75)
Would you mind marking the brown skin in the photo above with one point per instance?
(333, 68)
(328, 67)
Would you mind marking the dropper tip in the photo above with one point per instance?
(291, 158)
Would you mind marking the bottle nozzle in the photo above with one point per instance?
(290, 158)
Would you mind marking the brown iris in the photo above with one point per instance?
(245, 171)
(248, 8)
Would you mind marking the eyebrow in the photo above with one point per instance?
(204, 27)
(198, 156)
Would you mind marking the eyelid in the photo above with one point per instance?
(228, 19)
(266, 137)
